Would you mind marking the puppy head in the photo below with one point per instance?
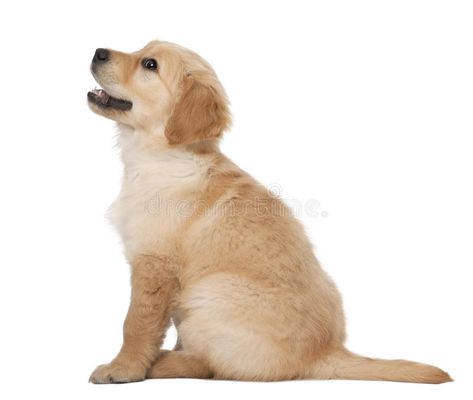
(162, 89)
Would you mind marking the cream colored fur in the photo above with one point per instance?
(211, 249)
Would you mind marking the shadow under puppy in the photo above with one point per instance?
(210, 248)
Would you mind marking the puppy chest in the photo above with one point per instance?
(150, 211)
(145, 218)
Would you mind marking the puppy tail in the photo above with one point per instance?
(343, 364)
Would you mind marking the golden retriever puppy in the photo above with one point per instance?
(212, 250)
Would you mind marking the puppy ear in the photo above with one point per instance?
(200, 113)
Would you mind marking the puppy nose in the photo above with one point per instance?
(101, 55)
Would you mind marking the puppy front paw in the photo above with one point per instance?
(117, 373)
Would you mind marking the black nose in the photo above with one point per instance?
(101, 55)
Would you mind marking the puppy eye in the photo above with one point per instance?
(150, 63)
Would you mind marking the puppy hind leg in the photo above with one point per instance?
(179, 364)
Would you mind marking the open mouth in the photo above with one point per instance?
(102, 99)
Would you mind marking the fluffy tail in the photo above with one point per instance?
(343, 364)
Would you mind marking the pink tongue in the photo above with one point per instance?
(102, 93)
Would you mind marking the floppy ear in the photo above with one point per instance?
(200, 113)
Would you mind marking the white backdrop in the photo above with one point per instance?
(361, 111)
